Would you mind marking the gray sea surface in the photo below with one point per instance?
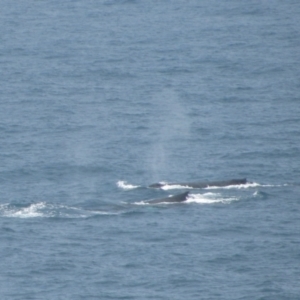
(100, 99)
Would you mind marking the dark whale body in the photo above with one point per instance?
(202, 185)
(172, 199)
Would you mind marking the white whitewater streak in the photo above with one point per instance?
(174, 186)
(209, 198)
(32, 211)
(167, 186)
(146, 202)
(126, 186)
(240, 186)
(44, 210)
(156, 204)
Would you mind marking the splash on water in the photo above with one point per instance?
(170, 186)
(46, 210)
(237, 186)
(126, 186)
(207, 198)
(210, 198)
(32, 211)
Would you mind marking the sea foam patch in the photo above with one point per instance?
(207, 198)
(31, 211)
(167, 186)
(210, 198)
(172, 186)
(237, 186)
(126, 186)
(46, 210)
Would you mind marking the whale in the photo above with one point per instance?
(172, 199)
(201, 184)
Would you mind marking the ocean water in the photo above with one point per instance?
(99, 99)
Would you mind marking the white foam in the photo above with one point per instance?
(32, 211)
(165, 186)
(209, 198)
(45, 210)
(145, 202)
(126, 186)
(237, 186)
(141, 203)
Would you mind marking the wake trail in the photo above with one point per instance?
(122, 184)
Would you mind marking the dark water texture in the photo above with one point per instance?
(99, 99)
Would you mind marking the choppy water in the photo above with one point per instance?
(99, 99)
